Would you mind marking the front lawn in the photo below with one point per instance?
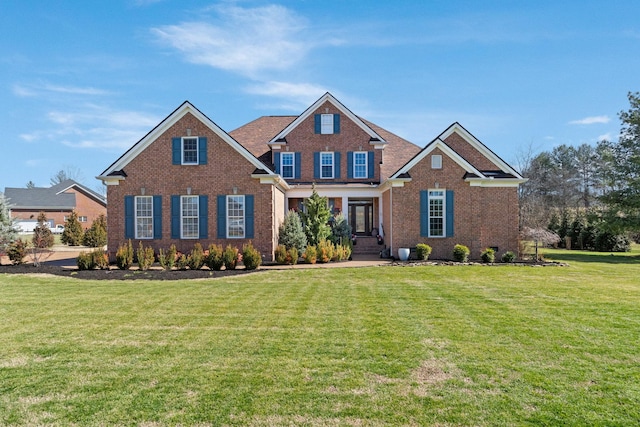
(445, 345)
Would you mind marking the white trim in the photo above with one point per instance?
(197, 236)
(244, 216)
(293, 164)
(443, 197)
(344, 110)
(135, 217)
(333, 164)
(436, 161)
(491, 182)
(326, 128)
(182, 150)
(366, 164)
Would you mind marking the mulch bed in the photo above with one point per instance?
(115, 274)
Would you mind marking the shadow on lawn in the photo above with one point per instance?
(582, 256)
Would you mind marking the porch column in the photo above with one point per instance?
(345, 209)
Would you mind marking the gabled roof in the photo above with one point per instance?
(53, 197)
(69, 183)
(473, 175)
(115, 171)
(327, 97)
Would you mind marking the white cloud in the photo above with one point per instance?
(242, 40)
(606, 137)
(24, 91)
(301, 94)
(591, 120)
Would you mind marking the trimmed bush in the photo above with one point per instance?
(214, 260)
(73, 233)
(16, 251)
(84, 261)
(146, 257)
(310, 255)
(251, 258)
(100, 259)
(167, 259)
(292, 257)
(325, 251)
(96, 235)
(508, 256)
(461, 253)
(488, 256)
(281, 254)
(196, 257)
(423, 251)
(230, 257)
(182, 262)
(124, 256)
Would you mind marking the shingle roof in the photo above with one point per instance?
(49, 198)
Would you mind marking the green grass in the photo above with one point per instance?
(441, 345)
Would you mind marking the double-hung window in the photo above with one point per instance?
(144, 217)
(189, 218)
(235, 217)
(360, 164)
(326, 165)
(326, 124)
(287, 165)
(190, 151)
(436, 213)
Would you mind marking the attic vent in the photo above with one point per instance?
(436, 161)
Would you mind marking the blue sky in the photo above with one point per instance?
(82, 81)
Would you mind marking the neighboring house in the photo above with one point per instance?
(57, 202)
(188, 180)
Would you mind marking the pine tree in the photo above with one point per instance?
(96, 235)
(291, 233)
(42, 235)
(316, 218)
(73, 233)
(8, 229)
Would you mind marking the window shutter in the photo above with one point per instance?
(449, 213)
(349, 164)
(203, 217)
(336, 123)
(222, 216)
(248, 217)
(176, 149)
(276, 162)
(128, 217)
(424, 213)
(175, 217)
(157, 217)
(316, 123)
(371, 165)
(316, 165)
(298, 166)
(336, 165)
(202, 150)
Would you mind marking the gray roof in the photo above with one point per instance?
(49, 198)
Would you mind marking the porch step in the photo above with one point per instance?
(367, 245)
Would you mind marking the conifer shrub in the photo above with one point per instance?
(251, 257)
(230, 257)
(195, 259)
(291, 233)
(167, 259)
(325, 251)
(423, 251)
(214, 260)
(73, 234)
(100, 259)
(292, 256)
(488, 256)
(182, 262)
(281, 254)
(461, 253)
(146, 257)
(124, 256)
(16, 251)
(84, 261)
(310, 255)
(96, 235)
(42, 235)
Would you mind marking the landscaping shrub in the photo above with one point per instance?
(488, 256)
(124, 256)
(291, 233)
(214, 260)
(324, 251)
(42, 235)
(508, 256)
(423, 251)
(340, 229)
(461, 253)
(195, 259)
(146, 257)
(16, 251)
(182, 262)
(96, 235)
(167, 259)
(292, 257)
(230, 257)
(251, 258)
(310, 255)
(100, 259)
(281, 254)
(84, 261)
(73, 233)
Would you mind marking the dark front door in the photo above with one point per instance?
(361, 217)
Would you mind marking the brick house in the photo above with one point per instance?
(188, 180)
(57, 202)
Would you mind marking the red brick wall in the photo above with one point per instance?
(225, 169)
(469, 153)
(86, 206)
(304, 140)
(483, 217)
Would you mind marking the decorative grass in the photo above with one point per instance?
(473, 345)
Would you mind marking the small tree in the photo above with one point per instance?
(96, 235)
(315, 219)
(291, 233)
(73, 233)
(42, 240)
(8, 228)
(540, 235)
(341, 230)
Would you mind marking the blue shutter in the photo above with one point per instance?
(298, 166)
(175, 217)
(316, 123)
(349, 164)
(128, 217)
(176, 150)
(316, 165)
(336, 165)
(202, 150)
(336, 123)
(157, 217)
(449, 213)
(203, 217)
(222, 216)
(276, 161)
(424, 213)
(371, 165)
(248, 217)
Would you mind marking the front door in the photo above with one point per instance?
(361, 217)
